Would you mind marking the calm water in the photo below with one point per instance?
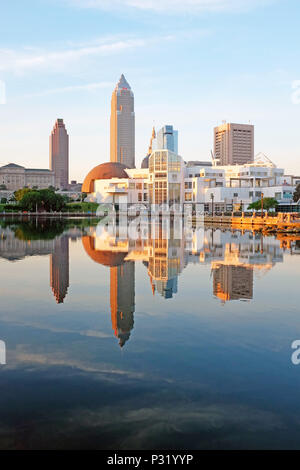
(127, 339)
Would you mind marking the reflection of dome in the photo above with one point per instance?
(145, 162)
(102, 172)
(107, 258)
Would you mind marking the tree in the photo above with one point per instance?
(42, 199)
(21, 192)
(83, 196)
(31, 201)
(268, 203)
(3, 200)
(296, 195)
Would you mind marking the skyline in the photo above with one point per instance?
(177, 80)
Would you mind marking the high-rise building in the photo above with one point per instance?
(167, 138)
(59, 154)
(122, 125)
(233, 144)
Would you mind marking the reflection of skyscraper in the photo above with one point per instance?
(122, 294)
(122, 125)
(233, 282)
(59, 268)
(122, 286)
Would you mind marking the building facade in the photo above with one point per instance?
(14, 177)
(59, 154)
(170, 181)
(122, 125)
(233, 144)
(167, 138)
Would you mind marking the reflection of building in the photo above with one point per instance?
(13, 248)
(232, 282)
(59, 154)
(166, 261)
(122, 284)
(2, 352)
(122, 293)
(59, 268)
(122, 125)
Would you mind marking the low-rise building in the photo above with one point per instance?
(169, 180)
(14, 177)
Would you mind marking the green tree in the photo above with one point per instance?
(31, 201)
(20, 193)
(296, 195)
(268, 203)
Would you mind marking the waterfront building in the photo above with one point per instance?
(122, 125)
(14, 177)
(169, 180)
(59, 154)
(233, 144)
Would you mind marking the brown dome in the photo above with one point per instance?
(107, 258)
(103, 172)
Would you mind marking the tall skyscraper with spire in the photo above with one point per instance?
(122, 125)
(59, 154)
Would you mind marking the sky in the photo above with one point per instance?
(191, 63)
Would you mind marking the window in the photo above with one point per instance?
(188, 196)
(140, 197)
(235, 194)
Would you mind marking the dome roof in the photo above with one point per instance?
(102, 172)
(107, 258)
(145, 162)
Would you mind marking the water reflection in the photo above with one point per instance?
(164, 249)
(191, 377)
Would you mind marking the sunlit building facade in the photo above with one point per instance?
(122, 125)
(59, 154)
(233, 144)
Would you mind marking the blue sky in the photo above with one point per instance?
(191, 64)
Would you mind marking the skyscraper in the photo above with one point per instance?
(167, 138)
(233, 144)
(122, 125)
(59, 154)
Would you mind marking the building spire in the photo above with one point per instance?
(153, 136)
(122, 83)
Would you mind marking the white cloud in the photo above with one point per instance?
(72, 88)
(171, 6)
(20, 61)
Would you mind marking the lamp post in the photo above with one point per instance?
(262, 204)
(212, 203)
